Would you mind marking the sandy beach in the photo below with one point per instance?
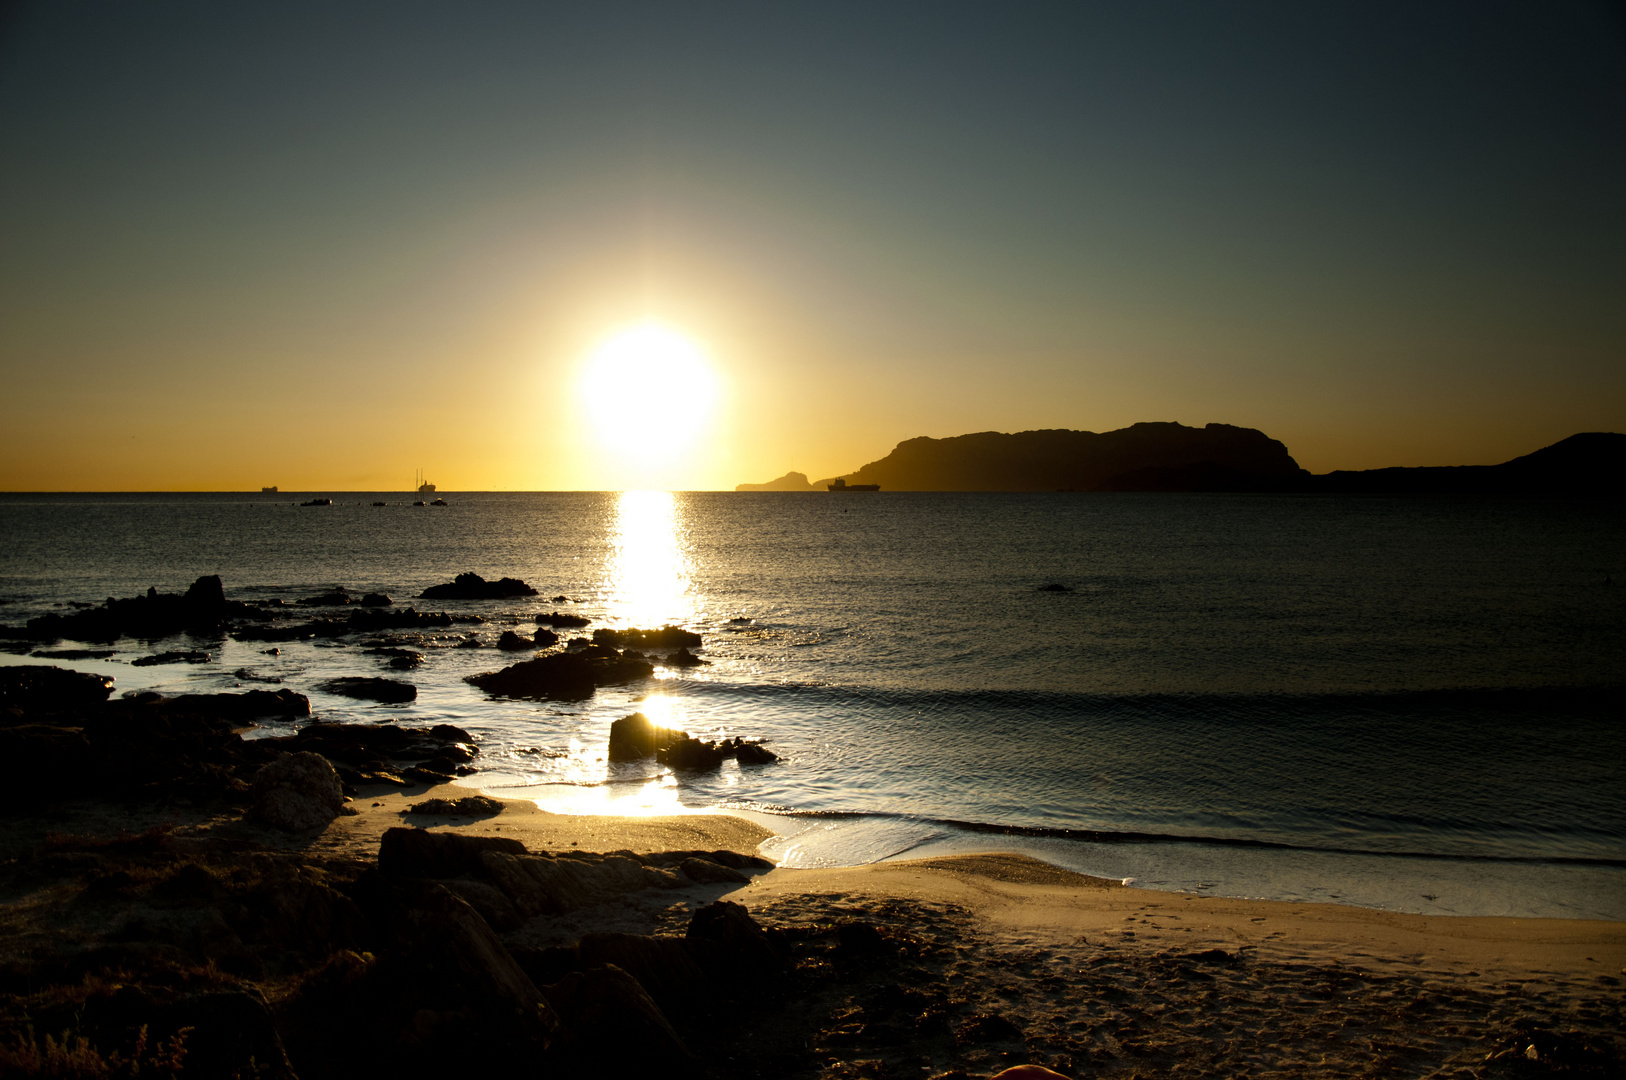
(945, 967)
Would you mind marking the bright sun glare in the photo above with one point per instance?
(649, 391)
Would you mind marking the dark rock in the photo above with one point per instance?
(51, 689)
(359, 621)
(684, 658)
(474, 587)
(337, 597)
(572, 675)
(607, 1014)
(469, 806)
(387, 690)
(512, 642)
(251, 705)
(202, 609)
(178, 656)
(544, 638)
(559, 619)
(662, 965)
(706, 872)
(666, 638)
(418, 853)
(376, 599)
(541, 885)
(451, 733)
(493, 906)
(1054, 587)
(728, 937)
(690, 754)
(467, 1005)
(72, 654)
(296, 793)
(635, 737)
(753, 754)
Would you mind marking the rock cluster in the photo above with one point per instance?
(635, 737)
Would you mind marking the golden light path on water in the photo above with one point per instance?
(648, 584)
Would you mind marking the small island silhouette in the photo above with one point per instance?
(1172, 457)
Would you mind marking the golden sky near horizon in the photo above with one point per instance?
(295, 247)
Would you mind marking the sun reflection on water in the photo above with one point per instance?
(649, 574)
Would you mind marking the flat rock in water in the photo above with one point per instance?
(387, 690)
(470, 586)
(189, 656)
(667, 637)
(573, 675)
(561, 619)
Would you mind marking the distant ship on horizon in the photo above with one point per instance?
(842, 485)
(424, 486)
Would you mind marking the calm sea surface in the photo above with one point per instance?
(1412, 703)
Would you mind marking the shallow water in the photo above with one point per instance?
(1405, 702)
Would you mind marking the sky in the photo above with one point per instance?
(322, 245)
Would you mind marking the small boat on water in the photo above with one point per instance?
(440, 502)
(842, 485)
(318, 502)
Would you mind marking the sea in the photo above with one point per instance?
(1411, 703)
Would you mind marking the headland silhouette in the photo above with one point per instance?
(1171, 457)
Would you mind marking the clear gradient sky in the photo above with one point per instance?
(321, 244)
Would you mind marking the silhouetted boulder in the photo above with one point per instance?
(512, 642)
(571, 676)
(726, 937)
(635, 737)
(296, 793)
(684, 658)
(376, 599)
(667, 637)
(366, 689)
(469, 586)
(691, 754)
(559, 619)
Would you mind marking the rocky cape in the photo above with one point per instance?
(1170, 457)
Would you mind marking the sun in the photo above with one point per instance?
(649, 391)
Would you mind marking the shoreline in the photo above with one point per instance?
(947, 968)
(1033, 898)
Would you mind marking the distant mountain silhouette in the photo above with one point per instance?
(791, 481)
(1218, 457)
(1143, 457)
(1591, 463)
